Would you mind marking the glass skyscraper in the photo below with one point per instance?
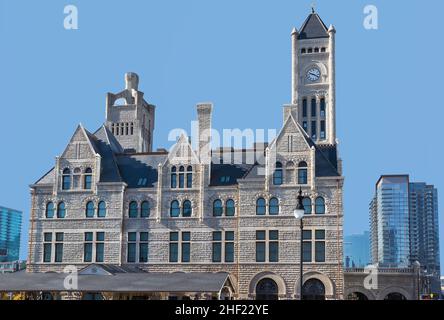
(10, 230)
(391, 222)
(357, 250)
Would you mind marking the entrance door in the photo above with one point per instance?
(267, 289)
(313, 289)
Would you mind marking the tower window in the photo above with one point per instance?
(304, 108)
(322, 129)
(323, 49)
(313, 130)
(322, 107)
(310, 50)
(313, 107)
(112, 128)
(132, 128)
(316, 50)
(121, 129)
(305, 126)
(303, 50)
(126, 128)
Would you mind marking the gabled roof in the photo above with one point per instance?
(313, 28)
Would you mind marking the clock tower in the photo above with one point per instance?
(313, 79)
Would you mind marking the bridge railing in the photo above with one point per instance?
(380, 270)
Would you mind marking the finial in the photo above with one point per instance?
(313, 5)
(131, 80)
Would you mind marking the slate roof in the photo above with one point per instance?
(313, 28)
(203, 282)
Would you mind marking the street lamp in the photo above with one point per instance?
(299, 215)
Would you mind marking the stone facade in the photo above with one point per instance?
(125, 170)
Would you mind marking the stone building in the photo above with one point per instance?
(111, 199)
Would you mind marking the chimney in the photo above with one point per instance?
(204, 122)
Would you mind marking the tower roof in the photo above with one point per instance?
(313, 28)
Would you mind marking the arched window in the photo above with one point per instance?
(320, 205)
(307, 205)
(230, 208)
(267, 289)
(310, 50)
(87, 179)
(303, 50)
(49, 210)
(189, 177)
(273, 207)
(277, 176)
(101, 209)
(89, 211)
(260, 207)
(217, 208)
(186, 209)
(61, 210)
(66, 179)
(302, 173)
(174, 209)
(173, 177)
(145, 209)
(181, 177)
(132, 210)
(316, 50)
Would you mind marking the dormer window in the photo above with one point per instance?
(66, 179)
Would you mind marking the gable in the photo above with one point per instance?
(182, 153)
(291, 138)
(80, 146)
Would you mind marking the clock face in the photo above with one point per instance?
(313, 74)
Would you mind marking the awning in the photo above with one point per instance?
(102, 280)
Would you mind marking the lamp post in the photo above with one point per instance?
(299, 215)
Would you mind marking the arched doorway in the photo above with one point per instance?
(313, 289)
(267, 289)
(395, 296)
(357, 296)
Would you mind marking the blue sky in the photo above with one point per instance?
(235, 54)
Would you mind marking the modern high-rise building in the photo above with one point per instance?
(404, 225)
(10, 230)
(357, 250)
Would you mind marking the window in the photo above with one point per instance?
(322, 129)
(313, 107)
(313, 130)
(305, 125)
(322, 107)
(307, 205)
(59, 247)
(49, 213)
(61, 210)
(316, 50)
(174, 209)
(217, 208)
(87, 180)
(260, 246)
(304, 108)
(306, 246)
(310, 50)
(323, 49)
(273, 246)
(101, 209)
(274, 206)
(320, 246)
(173, 178)
(230, 209)
(217, 246)
(314, 247)
(303, 51)
(66, 179)
(100, 246)
(145, 209)
(143, 247)
(132, 239)
(88, 247)
(189, 177)
(187, 209)
(229, 246)
(260, 207)
(181, 177)
(89, 211)
(226, 244)
(47, 247)
(277, 176)
(174, 246)
(320, 205)
(186, 246)
(132, 210)
(302, 172)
